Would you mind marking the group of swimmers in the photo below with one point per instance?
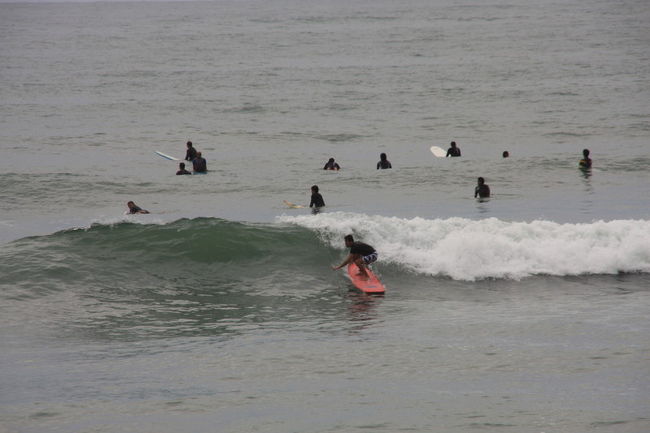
(199, 164)
(481, 191)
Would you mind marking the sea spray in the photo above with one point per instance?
(465, 249)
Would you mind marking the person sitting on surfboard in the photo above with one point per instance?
(383, 162)
(181, 169)
(199, 164)
(453, 150)
(360, 254)
(191, 152)
(585, 162)
(316, 199)
(331, 165)
(481, 190)
(133, 209)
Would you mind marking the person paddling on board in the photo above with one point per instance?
(360, 254)
(585, 162)
(453, 150)
(383, 163)
(316, 199)
(191, 152)
(199, 164)
(331, 165)
(482, 190)
(181, 169)
(133, 208)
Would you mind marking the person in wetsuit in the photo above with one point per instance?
(133, 209)
(316, 199)
(481, 190)
(331, 165)
(360, 254)
(190, 154)
(199, 164)
(453, 150)
(383, 163)
(181, 169)
(585, 162)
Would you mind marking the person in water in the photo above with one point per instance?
(316, 199)
(199, 164)
(453, 150)
(506, 154)
(481, 190)
(133, 208)
(331, 165)
(585, 162)
(360, 254)
(383, 163)
(181, 169)
(191, 152)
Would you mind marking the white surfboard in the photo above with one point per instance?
(164, 155)
(438, 151)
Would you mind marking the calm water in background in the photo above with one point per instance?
(218, 312)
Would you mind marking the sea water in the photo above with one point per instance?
(219, 311)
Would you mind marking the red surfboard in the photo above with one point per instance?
(366, 285)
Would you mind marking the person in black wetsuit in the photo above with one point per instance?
(360, 254)
(191, 152)
(383, 163)
(316, 199)
(331, 165)
(133, 208)
(181, 169)
(453, 150)
(199, 164)
(481, 190)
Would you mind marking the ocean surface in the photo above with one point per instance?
(219, 311)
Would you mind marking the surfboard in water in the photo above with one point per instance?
(438, 151)
(164, 155)
(292, 205)
(370, 285)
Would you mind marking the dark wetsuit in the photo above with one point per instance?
(190, 154)
(183, 171)
(368, 253)
(384, 164)
(317, 200)
(200, 165)
(482, 191)
(453, 151)
(331, 166)
(135, 209)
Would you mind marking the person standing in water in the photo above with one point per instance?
(191, 152)
(481, 190)
(383, 163)
(316, 199)
(453, 150)
(585, 162)
(181, 169)
(199, 164)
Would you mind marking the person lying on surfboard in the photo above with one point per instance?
(133, 208)
(331, 165)
(360, 254)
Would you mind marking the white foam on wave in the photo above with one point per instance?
(465, 249)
